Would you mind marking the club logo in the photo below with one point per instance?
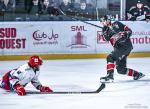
(45, 38)
(37, 35)
(78, 41)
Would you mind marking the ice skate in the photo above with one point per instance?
(138, 76)
(107, 79)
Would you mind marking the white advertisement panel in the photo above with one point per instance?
(72, 37)
(46, 37)
(140, 37)
(12, 38)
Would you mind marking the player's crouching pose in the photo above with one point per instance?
(119, 36)
(17, 79)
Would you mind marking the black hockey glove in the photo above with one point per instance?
(127, 34)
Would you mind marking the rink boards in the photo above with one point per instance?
(67, 56)
(64, 40)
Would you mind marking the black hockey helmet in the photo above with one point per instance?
(139, 1)
(105, 18)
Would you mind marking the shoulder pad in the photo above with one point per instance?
(27, 67)
(133, 7)
(117, 23)
(146, 7)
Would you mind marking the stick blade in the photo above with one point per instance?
(102, 86)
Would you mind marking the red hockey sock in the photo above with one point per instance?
(130, 72)
(110, 66)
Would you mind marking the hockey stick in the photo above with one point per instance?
(74, 18)
(101, 87)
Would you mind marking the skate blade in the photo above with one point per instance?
(104, 81)
(141, 77)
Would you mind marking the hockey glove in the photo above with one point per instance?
(45, 89)
(20, 90)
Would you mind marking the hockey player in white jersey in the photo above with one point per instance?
(17, 79)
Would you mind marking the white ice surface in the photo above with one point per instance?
(82, 75)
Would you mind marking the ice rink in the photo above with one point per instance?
(82, 75)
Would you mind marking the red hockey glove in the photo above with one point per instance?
(20, 89)
(45, 89)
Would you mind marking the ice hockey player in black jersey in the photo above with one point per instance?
(140, 11)
(118, 35)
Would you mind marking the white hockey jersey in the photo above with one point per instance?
(24, 75)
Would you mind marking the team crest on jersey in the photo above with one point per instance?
(116, 25)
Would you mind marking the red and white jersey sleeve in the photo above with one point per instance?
(24, 75)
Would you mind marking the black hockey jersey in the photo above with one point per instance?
(118, 34)
(141, 14)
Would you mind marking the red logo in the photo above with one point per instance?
(100, 39)
(10, 40)
(78, 41)
(78, 28)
